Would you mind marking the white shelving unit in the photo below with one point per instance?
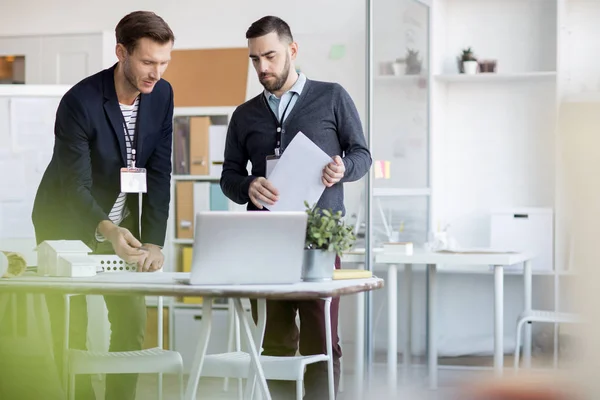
(516, 77)
(173, 244)
(491, 139)
(493, 134)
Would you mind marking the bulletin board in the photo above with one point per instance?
(208, 77)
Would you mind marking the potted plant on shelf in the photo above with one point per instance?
(327, 235)
(468, 62)
(398, 66)
(413, 64)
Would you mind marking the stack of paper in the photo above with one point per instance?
(398, 248)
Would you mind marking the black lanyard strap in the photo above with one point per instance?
(131, 140)
(279, 123)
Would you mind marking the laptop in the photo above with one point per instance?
(242, 248)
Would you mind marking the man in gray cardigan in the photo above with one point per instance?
(263, 127)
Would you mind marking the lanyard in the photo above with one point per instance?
(279, 124)
(131, 140)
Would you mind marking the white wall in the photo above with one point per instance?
(195, 23)
(208, 24)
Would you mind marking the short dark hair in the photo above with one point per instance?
(270, 24)
(142, 24)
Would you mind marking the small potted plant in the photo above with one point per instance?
(413, 64)
(468, 62)
(327, 235)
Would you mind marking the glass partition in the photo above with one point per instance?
(400, 122)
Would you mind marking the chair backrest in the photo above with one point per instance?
(99, 332)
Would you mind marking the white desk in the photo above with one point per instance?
(163, 284)
(431, 259)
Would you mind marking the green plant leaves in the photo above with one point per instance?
(327, 230)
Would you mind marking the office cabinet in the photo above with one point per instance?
(525, 229)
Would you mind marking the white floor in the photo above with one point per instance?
(412, 386)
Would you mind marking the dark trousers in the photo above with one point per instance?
(127, 317)
(282, 338)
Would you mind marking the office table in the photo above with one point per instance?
(432, 259)
(164, 284)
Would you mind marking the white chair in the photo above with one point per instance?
(148, 361)
(234, 345)
(236, 364)
(553, 317)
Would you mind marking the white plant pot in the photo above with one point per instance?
(397, 69)
(470, 67)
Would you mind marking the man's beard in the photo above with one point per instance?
(129, 76)
(279, 79)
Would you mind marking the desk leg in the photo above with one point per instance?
(498, 319)
(329, 342)
(528, 305)
(431, 322)
(392, 285)
(407, 320)
(360, 344)
(254, 358)
(194, 378)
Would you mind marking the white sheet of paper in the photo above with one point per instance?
(12, 177)
(15, 219)
(297, 175)
(270, 167)
(32, 123)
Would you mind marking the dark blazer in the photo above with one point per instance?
(82, 181)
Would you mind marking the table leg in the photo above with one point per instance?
(498, 319)
(194, 378)
(528, 305)
(329, 343)
(392, 356)
(4, 302)
(431, 322)
(254, 358)
(360, 344)
(407, 319)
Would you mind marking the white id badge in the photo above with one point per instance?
(271, 163)
(133, 180)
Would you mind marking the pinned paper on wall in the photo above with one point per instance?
(15, 220)
(12, 177)
(32, 123)
(337, 52)
(382, 169)
(4, 121)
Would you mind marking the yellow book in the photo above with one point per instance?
(186, 264)
(351, 274)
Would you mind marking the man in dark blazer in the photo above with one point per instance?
(119, 118)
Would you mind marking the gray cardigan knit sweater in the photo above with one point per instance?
(324, 112)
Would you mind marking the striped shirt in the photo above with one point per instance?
(119, 210)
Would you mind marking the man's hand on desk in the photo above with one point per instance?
(262, 190)
(125, 245)
(154, 260)
(333, 172)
